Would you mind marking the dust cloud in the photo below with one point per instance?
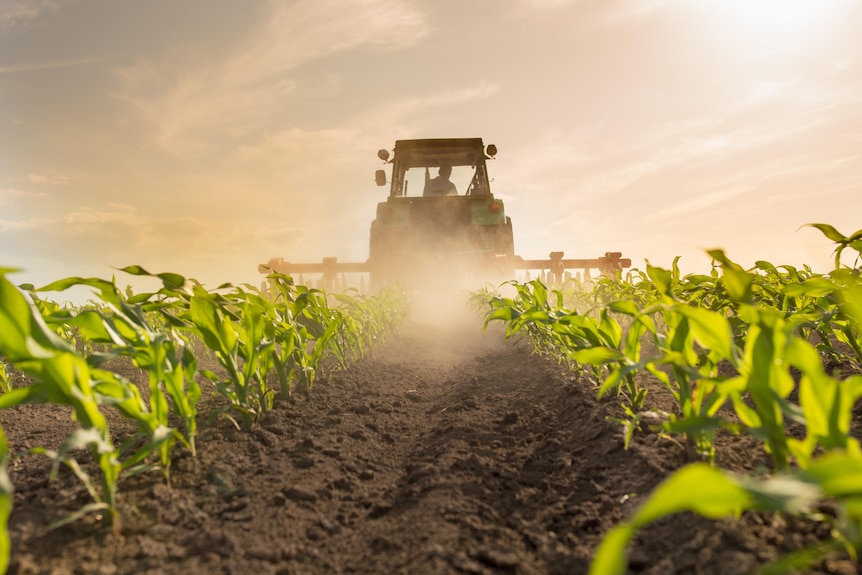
(446, 331)
(444, 310)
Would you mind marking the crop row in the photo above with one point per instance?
(745, 340)
(267, 343)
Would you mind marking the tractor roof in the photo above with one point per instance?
(432, 152)
(437, 143)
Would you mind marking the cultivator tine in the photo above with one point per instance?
(553, 271)
(332, 274)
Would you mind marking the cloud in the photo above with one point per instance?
(623, 11)
(407, 117)
(186, 107)
(607, 12)
(9, 196)
(443, 99)
(271, 150)
(701, 202)
(744, 159)
(49, 65)
(16, 13)
(729, 141)
(553, 161)
(51, 178)
(118, 234)
(542, 4)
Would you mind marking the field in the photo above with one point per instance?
(655, 424)
(446, 452)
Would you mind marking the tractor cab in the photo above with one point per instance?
(418, 164)
(440, 215)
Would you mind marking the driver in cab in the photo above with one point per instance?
(441, 185)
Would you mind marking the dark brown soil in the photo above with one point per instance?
(446, 452)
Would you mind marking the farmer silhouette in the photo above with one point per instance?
(440, 186)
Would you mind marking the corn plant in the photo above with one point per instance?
(581, 340)
(367, 320)
(61, 377)
(235, 335)
(64, 350)
(319, 325)
(5, 384)
(713, 493)
(352, 341)
(237, 325)
(124, 329)
(778, 313)
(289, 338)
(288, 333)
(689, 348)
(853, 241)
(826, 406)
(6, 498)
(775, 340)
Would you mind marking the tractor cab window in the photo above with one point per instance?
(444, 180)
(438, 168)
(437, 180)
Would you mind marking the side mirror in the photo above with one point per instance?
(383, 155)
(492, 150)
(380, 176)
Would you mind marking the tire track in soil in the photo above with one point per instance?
(504, 477)
(445, 452)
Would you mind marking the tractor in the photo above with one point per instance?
(441, 225)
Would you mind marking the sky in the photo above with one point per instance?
(205, 137)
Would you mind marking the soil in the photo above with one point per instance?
(446, 451)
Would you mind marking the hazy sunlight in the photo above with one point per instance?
(780, 17)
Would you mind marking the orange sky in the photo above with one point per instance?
(205, 137)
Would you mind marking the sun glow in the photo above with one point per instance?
(780, 17)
